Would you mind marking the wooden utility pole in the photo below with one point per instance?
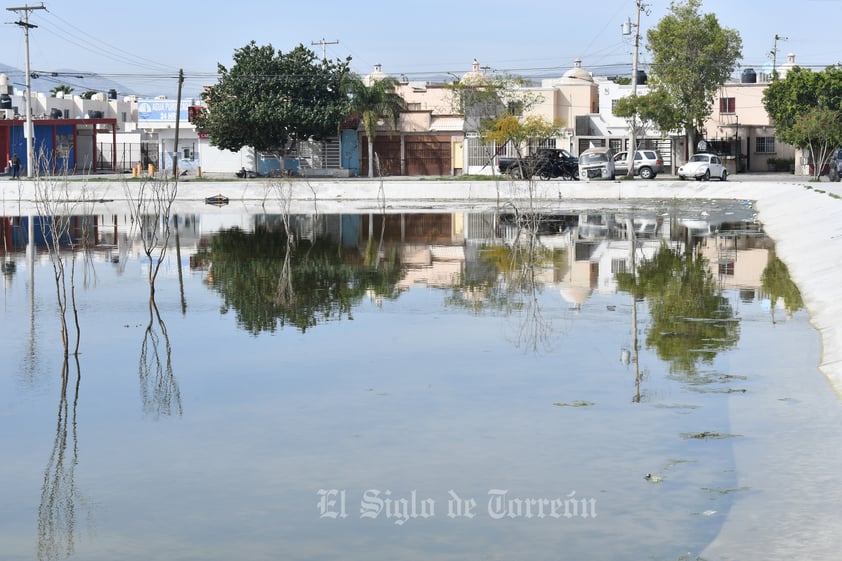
(177, 121)
(324, 44)
(29, 133)
(632, 134)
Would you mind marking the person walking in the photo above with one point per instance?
(15, 167)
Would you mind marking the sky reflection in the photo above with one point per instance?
(193, 437)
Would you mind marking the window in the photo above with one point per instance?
(765, 145)
(413, 107)
(727, 105)
(619, 266)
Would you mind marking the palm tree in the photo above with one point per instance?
(64, 89)
(372, 101)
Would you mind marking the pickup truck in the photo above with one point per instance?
(546, 163)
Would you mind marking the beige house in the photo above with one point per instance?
(738, 127)
(739, 117)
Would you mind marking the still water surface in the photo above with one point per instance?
(420, 386)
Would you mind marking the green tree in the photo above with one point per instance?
(818, 130)
(805, 108)
(498, 107)
(520, 132)
(371, 102)
(270, 100)
(692, 56)
(88, 94)
(649, 111)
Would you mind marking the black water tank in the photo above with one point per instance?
(5, 101)
(641, 77)
(56, 114)
(749, 76)
(95, 114)
(112, 94)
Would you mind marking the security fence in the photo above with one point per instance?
(126, 156)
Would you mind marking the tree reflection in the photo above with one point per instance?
(510, 281)
(59, 494)
(776, 282)
(690, 320)
(270, 283)
(158, 386)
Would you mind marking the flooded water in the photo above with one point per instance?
(435, 386)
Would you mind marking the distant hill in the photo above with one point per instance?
(79, 81)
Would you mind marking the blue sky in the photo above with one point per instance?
(143, 44)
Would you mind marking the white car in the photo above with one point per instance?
(703, 167)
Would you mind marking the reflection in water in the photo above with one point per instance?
(777, 283)
(158, 387)
(151, 203)
(250, 271)
(691, 321)
(511, 272)
(59, 494)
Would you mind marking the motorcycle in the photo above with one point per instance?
(566, 170)
(246, 174)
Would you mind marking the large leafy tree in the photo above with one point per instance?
(648, 111)
(270, 100)
(370, 102)
(805, 110)
(692, 56)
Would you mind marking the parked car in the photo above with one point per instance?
(834, 166)
(596, 163)
(546, 162)
(703, 167)
(647, 164)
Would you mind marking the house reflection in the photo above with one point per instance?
(445, 249)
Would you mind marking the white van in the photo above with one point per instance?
(596, 163)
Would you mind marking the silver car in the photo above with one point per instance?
(647, 164)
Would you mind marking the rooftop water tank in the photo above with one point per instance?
(641, 77)
(749, 76)
(112, 94)
(5, 101)
(56, 113)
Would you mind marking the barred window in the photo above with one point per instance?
(765, 145)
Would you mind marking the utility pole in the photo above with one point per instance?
(324, 44)
(627, 31)
(29, 133)
(177, 120)
(774, 53)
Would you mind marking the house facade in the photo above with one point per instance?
(433, 137)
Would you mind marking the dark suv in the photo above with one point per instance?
(834, 167)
